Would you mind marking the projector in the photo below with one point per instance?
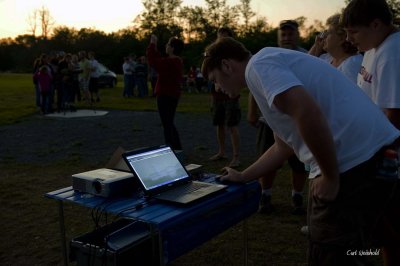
(104, 182)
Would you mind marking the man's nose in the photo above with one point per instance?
(348, 37)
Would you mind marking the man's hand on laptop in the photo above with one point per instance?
(230, 174)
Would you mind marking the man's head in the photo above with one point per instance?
(174, 46)
(221, 65)
(288, 34)
(335, 36)
(366, 22)
(224, 32)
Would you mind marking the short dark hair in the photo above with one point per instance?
(223, 48)
(363, 12)
(176, 44)
(225, 30)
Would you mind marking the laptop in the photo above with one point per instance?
(162, 176)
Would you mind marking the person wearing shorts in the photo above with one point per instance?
(226, 116)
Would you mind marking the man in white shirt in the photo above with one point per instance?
(94, 78)
(369, 26)
(341, 141)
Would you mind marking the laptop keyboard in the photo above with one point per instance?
(185, 189)
(190, 187)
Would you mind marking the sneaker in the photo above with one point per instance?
(298, 205)
(265, 205)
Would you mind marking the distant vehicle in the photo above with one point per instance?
(107, 77)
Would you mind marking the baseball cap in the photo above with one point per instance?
(289, 23)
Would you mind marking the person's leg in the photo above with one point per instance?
(221, 133)
(391, 255)
(218, 117)
(345, 225)
(42, 102)
(265, 139)
(233, 115)
(176, 142)
(389, 229)
(37, 95)
(125, 92)
(139, 86)
(166, 110)
(91, 89)
(235, 140)
(299, 177)
(47, 102)
(96, 89)
(132, 85)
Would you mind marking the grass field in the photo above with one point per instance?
(17, 99)
(29, 226)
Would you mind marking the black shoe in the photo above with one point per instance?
(298, 205)
(265, 206)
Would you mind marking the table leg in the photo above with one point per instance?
(62, 232)
(157, 246)
(245, 241)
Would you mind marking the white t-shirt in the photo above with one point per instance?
(94, 65)
(126, 68)
(358, 126)
(379, 77)
(350, 67)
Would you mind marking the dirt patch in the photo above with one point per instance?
(92, 140)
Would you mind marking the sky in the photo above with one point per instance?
(111, 16)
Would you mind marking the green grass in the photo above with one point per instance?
(29, 222)
(18, 99)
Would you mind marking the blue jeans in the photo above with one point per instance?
(143, 88)
(128, 92)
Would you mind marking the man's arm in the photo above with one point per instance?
(393, 114)
(269, 162)
(313, 128)
(252, 115)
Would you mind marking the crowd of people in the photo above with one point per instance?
(61, 79)
(137, 73)
(340, 115)
(331, 113)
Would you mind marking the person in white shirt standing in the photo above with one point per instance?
(128, 79)
(369, 26)
(94, 78)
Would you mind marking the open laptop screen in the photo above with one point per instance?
(156, 168)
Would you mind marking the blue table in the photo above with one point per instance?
(180, 228)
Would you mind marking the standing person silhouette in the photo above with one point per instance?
(168, 86)
(226, 114)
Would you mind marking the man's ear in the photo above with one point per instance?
(375, 24)
(226, 66)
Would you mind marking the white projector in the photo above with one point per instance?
(104, 182)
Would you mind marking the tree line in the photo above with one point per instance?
(197, 25)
